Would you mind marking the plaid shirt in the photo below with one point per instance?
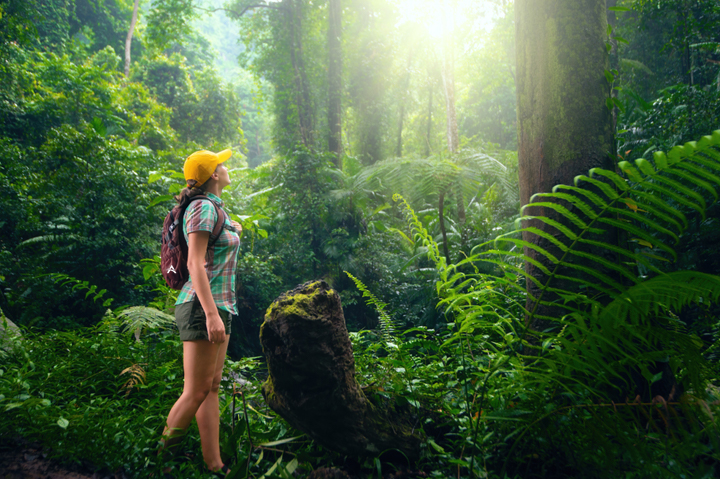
(220, 267)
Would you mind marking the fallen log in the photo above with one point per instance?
(312, 381)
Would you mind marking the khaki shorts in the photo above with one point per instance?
(190, 319)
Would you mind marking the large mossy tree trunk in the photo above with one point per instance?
(564, 125)
(312, 378)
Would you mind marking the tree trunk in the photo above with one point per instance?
(398, 142)
(403, 99)
(335, 80)
(448, 77)
(370, 82)
(614, 61)
(312, 383)
(443, 231)
(564, 125)
(302, 93)
(429, 121)
(128, 39)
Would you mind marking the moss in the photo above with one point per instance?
(312, 383)
(295, 302)
(268, 391)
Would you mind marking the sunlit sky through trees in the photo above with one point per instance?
(443, 17)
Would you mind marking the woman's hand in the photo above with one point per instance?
(236, 225)
(215, 327)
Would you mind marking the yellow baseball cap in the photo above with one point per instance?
(200, 166)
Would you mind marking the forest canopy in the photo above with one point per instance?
(516, 202)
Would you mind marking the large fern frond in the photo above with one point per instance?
(615, 305)
(141, 318)
(386, 324)
(649, 204)
(671, 291)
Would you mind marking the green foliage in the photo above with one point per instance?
(497, 399)
(678, 115)
(618, 338)
(387, 327)
(301, 221)
(101, 23)
(204, 110)
(257, 287)
(100, 397)
(73, 386)
(168, 22)
(65, 280)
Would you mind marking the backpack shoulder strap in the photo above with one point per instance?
(219, 224)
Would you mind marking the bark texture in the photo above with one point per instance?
(564, 125)
(335, 80)
(448, 77)
(312, 377)
(306, 121)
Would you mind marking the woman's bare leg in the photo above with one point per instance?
(208, 414)
(199, 364)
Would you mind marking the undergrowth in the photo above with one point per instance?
(497, 398)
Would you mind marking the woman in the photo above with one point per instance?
(204, 305)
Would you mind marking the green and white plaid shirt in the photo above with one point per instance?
(220, 266)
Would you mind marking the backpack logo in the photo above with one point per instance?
(171, 269)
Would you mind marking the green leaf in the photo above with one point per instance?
(437, 448)
(99, 127)
(618, 104)
(281, 441)
(154, 177)
(621, 39)
(270, 471)
(160, 199)
(610, 78)
(63, 423)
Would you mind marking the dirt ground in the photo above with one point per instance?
(19, 460)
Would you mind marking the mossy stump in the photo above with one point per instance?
(312, 377)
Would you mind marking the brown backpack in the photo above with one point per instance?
(174, 249)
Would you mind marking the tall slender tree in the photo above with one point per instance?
(128, 39)
(294, 19)
(335, 84)
(448, 76)
(564, 125)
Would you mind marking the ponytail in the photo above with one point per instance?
(183, 199)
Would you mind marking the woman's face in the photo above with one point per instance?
(223, 175)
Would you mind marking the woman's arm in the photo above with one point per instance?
(197, 247)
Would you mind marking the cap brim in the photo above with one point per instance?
(224, 155)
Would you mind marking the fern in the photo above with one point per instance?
(137, 378)
(77, 285)
(617, 307)
(386, 325)
(139, 318)
(646, 204)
